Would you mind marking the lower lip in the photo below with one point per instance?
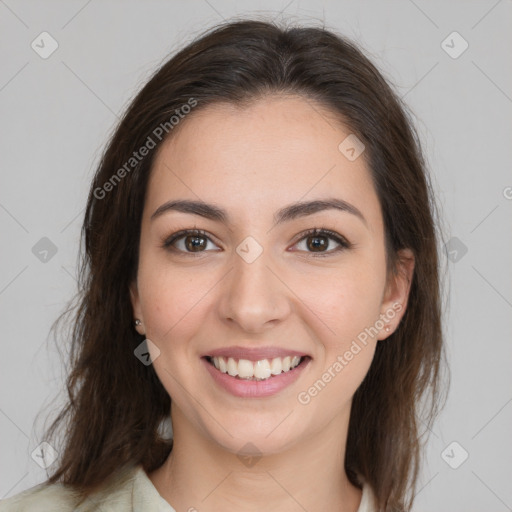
(254, 388)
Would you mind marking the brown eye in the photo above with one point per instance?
(317, 243)
(319, 240)
(195, 243)
(188, 241)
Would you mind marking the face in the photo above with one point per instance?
(255, 279)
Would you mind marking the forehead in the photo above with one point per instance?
(256, 158)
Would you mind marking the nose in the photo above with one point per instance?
(253, 296)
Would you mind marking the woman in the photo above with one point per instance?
(260, 268)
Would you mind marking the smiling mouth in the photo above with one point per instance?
(264, 369)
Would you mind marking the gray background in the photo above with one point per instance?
(57, 114)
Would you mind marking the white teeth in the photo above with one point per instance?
(262, 369)
(245, 368)
(259, 370)
(232, 367)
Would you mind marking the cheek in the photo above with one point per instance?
(171, 302)
(344, 301)
(344, 309)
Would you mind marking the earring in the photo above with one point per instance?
(137, 322)
(387, 328)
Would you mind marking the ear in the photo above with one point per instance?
(137, 310)
(396, 294)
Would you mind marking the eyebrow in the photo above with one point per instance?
(286, 214)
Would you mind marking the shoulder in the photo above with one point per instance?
(61, 498)
(42, 497)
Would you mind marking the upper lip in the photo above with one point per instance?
(253, 354)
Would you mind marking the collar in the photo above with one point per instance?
(145, 497)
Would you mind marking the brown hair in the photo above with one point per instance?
(116, 404)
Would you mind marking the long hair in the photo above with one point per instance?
(116, 405)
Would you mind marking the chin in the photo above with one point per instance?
(264, 439)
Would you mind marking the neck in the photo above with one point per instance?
(200, 474)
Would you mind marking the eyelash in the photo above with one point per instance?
(343, 242)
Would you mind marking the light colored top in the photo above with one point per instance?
(134, 493)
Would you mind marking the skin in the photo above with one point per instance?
(252, 161)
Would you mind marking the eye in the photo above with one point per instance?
(188, 241)
(318, 239)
